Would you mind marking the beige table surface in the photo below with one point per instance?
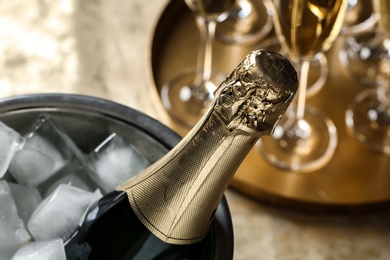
(101, 48)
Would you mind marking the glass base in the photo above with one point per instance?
(368, 120)
(303, 145)
(185, 101)
(249, 21)
(318, 71)
(364, 56)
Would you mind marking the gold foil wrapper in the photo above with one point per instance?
(176, 197)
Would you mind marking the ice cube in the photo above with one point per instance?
(11, 142)
(31, 167)
(27, 199)
(65, 176)
(12, 230)
(59, 214)
(41, 250)
(71, 179)
(114, 161)
(46, 151)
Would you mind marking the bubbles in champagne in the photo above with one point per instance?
(308, 27)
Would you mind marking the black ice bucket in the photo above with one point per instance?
(89, 120)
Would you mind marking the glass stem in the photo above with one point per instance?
(384, 90)
(204, 63)
(301, 99)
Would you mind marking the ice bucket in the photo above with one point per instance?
(88, 120)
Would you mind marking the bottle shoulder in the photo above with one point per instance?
(111, 230)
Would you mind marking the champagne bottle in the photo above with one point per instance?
(166, 212)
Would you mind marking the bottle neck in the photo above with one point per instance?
(176, 198)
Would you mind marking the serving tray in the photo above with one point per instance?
(355, 180)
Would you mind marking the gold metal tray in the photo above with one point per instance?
(356, 179)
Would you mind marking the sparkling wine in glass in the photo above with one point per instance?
(188, 95)
(368, 116)
(307, 138)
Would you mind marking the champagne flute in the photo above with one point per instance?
(306, 138)
(319, 69)
(362, 56)
(363, 49)
(368, 116)
(249, 21)
(189, 94)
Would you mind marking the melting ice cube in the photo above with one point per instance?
(41, 250)
(72, 174)
(11, 142)
(71, 179)
(59, 214)
(115, 161)
(27, 199)
(47, 150)
(12, 231)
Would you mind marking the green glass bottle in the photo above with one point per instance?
(111, 230)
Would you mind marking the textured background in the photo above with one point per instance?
(101, 48)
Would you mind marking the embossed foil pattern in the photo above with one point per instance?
(257, 92)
